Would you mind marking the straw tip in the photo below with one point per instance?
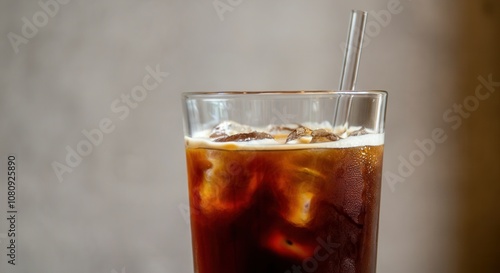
(357, 11)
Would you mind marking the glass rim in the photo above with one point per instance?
(282, 92)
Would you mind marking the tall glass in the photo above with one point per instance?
(276, 186)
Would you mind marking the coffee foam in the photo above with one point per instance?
(202, 139)
(271, 144)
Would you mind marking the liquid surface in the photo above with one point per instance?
(276, 144)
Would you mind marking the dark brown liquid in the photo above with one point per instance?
(285, 211)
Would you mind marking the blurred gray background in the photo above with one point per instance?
(70, 66)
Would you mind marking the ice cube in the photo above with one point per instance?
(242, 137)
(281, 128)
(297, 189)
(322, 135)
(358, 132)
(299, 210)
(230, 182)
(298, 133)
(228, 128)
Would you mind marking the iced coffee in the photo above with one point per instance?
(284, 199)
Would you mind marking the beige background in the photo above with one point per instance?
(122, 209)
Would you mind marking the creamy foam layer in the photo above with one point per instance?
(271, 144)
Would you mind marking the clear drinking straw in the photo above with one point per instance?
(353, 50)
(351, 63)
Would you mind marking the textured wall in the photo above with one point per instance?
(121, 208)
